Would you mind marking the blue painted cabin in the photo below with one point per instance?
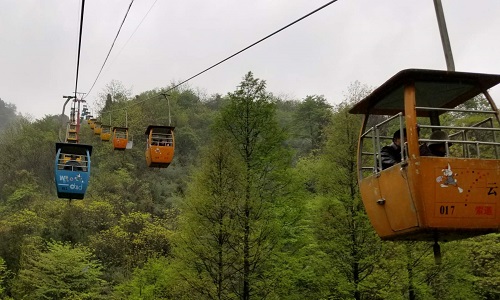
(72, 170)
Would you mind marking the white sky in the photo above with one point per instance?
(364, 40)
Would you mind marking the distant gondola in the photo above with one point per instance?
(160, 146)
(97, 128)
(120, 138)
(105, 133)
(91, 122)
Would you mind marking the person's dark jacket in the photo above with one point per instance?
(390, 155)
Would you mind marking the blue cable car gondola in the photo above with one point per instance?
(72, 170)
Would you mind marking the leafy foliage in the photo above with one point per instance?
(7, 114)
(3, 275)
(148, 283)
(59, 272)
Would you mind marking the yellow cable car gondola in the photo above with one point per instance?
(160, 146)
(105, 133)
(91, 122)
(72, 127)
(120, 138)
(72, 134)
(97, 128)
(431, 198)
(72, 138)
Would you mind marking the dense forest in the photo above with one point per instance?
(260, 202)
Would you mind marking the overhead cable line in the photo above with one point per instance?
(79, 47)
(259, 41)
(140, 23)
(229, 57)
(109, 52)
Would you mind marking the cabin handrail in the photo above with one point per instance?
(460, 127)
(120, 135)
(461, 142)
(456, 110)
(490, 119)
(382, 123)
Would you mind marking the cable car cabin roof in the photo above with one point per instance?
(434, 88)
(78, 149)
(160, 128)
(120, 128)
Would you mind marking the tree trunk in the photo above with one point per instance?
(220, 270)
(246, 242)
(355, 273)
(411, 288)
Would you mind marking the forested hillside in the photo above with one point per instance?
(260, 202)
(8, 114)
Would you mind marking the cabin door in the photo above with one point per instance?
(399, 206)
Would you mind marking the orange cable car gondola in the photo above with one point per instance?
(105, 133)
(431, 198)
(120, 138)
(160, 146)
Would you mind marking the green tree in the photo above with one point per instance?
(136, 238)
(61, 271)
(16, 230)
(485, 258)
(7, 114)
(151, 282)
(206, 240)
(249, 122)
(29, 146)
(343, 229)
(20, 193)
(114, 91)
(240, 203)
(313, 116)
(3, 275)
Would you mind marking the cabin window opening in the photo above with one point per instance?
(72, 162)
(379, 134)
(473, 132)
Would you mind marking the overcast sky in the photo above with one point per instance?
(363, 40)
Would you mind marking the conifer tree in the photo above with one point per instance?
(236, 211)
(249, 120)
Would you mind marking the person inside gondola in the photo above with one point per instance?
(156, 140)
(437, 145)
(73, 164)
(391, 154)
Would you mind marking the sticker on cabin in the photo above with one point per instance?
(448, 179)
(67, 179)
